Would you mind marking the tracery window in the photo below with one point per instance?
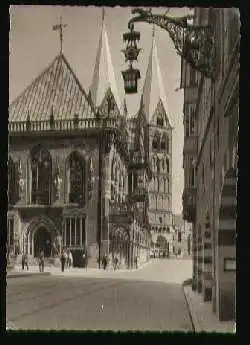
(156, 142)
(76, 178)
(74, 232)
(41, 171)
(12, 182)
(159, 121)
(165, 143)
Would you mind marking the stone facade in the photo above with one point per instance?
(210, 204)
(74, 180)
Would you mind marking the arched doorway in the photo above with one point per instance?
(42, 242)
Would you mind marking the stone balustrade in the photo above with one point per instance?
(62, 125)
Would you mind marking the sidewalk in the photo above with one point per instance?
(70, 272)
(203, 318)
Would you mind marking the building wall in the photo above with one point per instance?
(60, 149)
(216, 160)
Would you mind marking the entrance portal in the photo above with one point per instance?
(42, 242)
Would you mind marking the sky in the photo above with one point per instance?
(33, 46)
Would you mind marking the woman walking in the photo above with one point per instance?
(41, 262)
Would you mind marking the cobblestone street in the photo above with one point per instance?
(149, 299)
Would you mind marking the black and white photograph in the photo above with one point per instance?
(122, 168)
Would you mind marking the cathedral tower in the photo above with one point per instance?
(153, 101)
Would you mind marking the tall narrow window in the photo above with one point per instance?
(159, 121)
(192, 119)
(77, 178)
(12, 182)
(156, 142)
(167, 165)
(41, 166)
(164, 142)
(10, 234)
(192, 177)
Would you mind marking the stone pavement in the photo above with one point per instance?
(71, 272)
(203, 318)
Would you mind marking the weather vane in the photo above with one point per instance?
(60, 28)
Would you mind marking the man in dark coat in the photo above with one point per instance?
(25, 261)
(63, 260)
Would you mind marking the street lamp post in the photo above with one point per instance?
(194, 43)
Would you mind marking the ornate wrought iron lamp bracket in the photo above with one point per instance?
(195, 44)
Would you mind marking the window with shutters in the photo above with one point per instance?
(41, 168)
(76, 178)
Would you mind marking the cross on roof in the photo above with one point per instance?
(60, 27)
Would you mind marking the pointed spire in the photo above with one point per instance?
(153, 89)
(104, 76)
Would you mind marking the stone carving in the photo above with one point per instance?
(57, 182)
(21, 181)
(57, 244)
(91, 178)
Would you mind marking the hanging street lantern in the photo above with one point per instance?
(130, 77)
(131, 52)
(194, 43)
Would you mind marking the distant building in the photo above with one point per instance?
(182, 236)
(160, 152)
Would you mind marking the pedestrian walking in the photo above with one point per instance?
(41, 262)
(25, 261)
(105, 262)
(115, 263)
(63, 260)
(70, 259)
(136, 262)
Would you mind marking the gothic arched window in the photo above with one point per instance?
(41, 168)
(167, 143)
(164, 142)
(12, 182)
(156, 142)
(159, 121)
(76, 178)
(167, 165)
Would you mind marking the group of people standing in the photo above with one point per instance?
(105, 261)
(66, 259)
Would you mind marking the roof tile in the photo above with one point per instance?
(56, 87)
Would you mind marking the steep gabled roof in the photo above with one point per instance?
(153, 89)
(56, 88)
(104, 75)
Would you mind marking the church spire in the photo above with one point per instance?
(104, 76)
(153, 90)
